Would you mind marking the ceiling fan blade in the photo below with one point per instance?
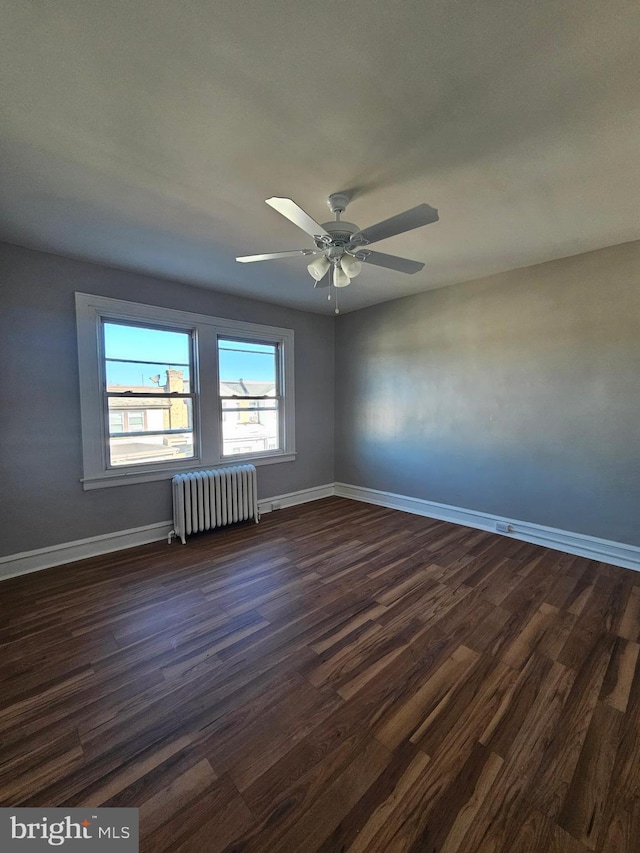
(271, 256)
(296, 214)
(391, 262)
(416, 217)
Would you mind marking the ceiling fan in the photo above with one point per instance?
(342, 246)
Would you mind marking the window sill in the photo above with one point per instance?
(122, 478)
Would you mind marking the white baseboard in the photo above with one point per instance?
(302, 496)
(604, 550)
(69, 552)
(94, 546)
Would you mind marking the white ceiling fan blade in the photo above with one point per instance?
(416, 217)
(271, 256)
(296, 214)
(391, 262)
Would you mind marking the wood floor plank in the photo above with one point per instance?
(518, 652)
(383, 816)
(189, 786)
(124, 777)
(246, 755)
(529, 832)
(622, 827)
(621, 812)
(619, 677)
(469, 811)
(467, 708)
(548, 788)
(630, 624)
(208, 821)
(583, 812)
(340, 677)
(336, 800)
(372, 808)
(505, 805)
(412, 713)
(506, 723)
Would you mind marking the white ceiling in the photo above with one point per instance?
(148, 134)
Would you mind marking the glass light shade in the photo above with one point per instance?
(318, 268)
(351, 266)
(340, 278)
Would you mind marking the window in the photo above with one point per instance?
(147, 393)
(250, 396)
(116, 422)
(164, 391)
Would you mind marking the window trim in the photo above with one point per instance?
(91, 310)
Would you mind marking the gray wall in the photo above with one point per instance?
(41, 499)
(517, 395)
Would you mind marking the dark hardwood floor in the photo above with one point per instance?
(340, 677)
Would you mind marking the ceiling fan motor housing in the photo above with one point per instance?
(340, 232)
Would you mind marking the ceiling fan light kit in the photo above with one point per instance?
(342, 245)
(351, 265)
(340, 278)
(319, 268)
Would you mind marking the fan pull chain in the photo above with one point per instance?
(337, 311)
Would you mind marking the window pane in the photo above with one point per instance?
(139, 343)
(249, 403)
(135, 421)
(138, 450)
(153, 361)
(147, 378)
(249, 428)
(131, 414)
(247, 369)
(151, 414)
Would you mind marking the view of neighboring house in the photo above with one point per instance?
(148, 429)
(249, 425)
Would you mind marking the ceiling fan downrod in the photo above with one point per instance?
(338, 204)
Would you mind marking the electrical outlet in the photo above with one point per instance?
(275, 505)
(503, 527)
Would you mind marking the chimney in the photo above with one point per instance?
(177, 416)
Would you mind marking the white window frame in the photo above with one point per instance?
(92, 311)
